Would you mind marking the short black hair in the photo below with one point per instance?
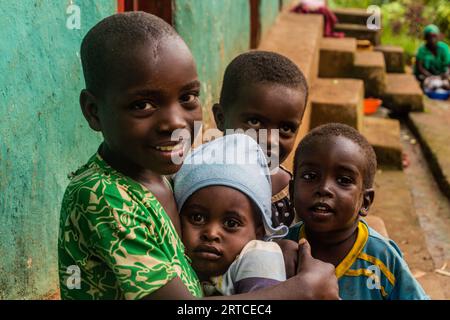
(255, 67)
(113, 37)
(323, 132)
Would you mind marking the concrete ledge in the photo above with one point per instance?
(403, 93)
(393, 57)
(377, 224)
(384, 137)
(432, 129)
(337, 100)
(360, 32)
(336, 57)
(352, 15)
(297, 37)
(370, 67)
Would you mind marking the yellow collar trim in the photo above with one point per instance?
(346, 263)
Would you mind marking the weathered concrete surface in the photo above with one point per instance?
(393, 203)
(432, 207)
(393, 58)
(370, 67)
(432, 128)
(303, 51)
(384, 136)
(216, 32)
(402, 94)
(43, 135)
(284, 38)
(360, 32)
(352, 15)
(337, 100)
(336, 57)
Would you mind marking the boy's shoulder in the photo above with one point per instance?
(98, 185)
(379, 245)
(97, 177)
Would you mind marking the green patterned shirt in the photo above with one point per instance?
(115, 239)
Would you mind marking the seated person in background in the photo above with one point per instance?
(223, 193)
(432, 67)
(334, 169)
(320, 7)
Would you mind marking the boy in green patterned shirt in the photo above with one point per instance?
(117, 241)
(119, 226)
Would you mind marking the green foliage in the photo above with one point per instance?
(403, 20)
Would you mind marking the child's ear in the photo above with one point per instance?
(369, 195)
(89, 107)
(219, 116)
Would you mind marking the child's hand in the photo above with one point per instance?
(290, 255)
(318, 277)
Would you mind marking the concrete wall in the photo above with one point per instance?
(216, 31)
(42, 135)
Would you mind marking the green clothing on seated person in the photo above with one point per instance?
(118, 236)
(435, 64)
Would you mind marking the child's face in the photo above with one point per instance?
(328, 186)
(266, 106)
(217, 223)
(149, 95)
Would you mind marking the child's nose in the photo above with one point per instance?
(324, 189)
(172, 118)
(210, 234)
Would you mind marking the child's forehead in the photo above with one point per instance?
(152, 65)
(335, 148)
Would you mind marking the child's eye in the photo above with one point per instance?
(232, 224)
(345, 180)
(254, 122)
(189, 98)
(308, 176)
(286, 130)
(143, 106)
(197, 218)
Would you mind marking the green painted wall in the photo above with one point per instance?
(42, 135)
(268, 12)
(216, 31)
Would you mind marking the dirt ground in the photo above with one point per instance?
(417, 217)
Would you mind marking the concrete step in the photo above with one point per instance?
(432, 129)
(337, 100)
(393, 57)
(370, 67)
(403, 93)
(394, 204)
(384, 136)
(360, 32)
(336, 57)
(352, 15)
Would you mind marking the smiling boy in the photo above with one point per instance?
(141, 86)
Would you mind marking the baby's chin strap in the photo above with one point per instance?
(278, 233)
